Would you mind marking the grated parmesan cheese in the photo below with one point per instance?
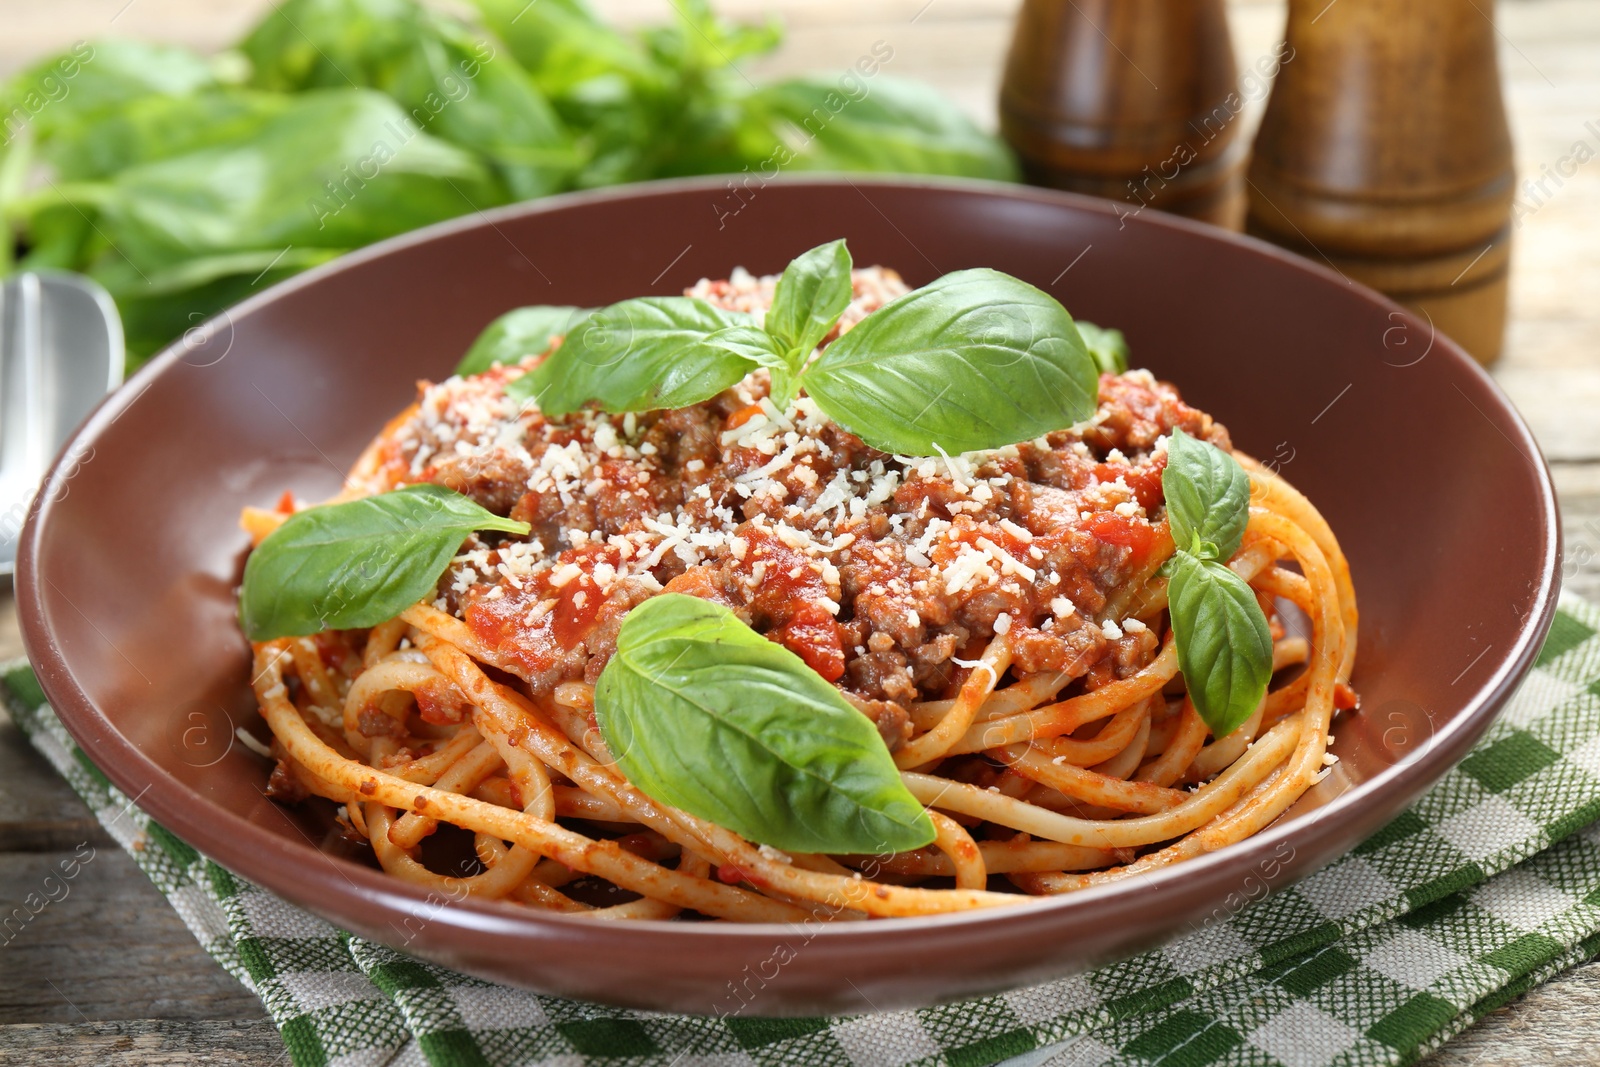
(249, 740)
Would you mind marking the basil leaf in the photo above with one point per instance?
(310, 44)
(1224, 646)
(490, 105)
(345, 566)
(563, 44)
(68, 94)
(442, 72)
(977, 359)
(889, 124)
(154, 127)
(639, 355)
(1108, 347)
(762, 349)
(751, 343)
(273, 189)
(1207, 495)
(812, 293)
(706, 715)
(519, 332)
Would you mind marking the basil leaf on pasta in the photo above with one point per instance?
(975, 360)
(1207, 495)
(520, 332)
(355, 564)
(640, 355)
(1224, 645)
(811, 295)
(762, 350)
(706, 715)
(751, 343)
(1108, 347)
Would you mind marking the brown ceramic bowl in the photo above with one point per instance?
(1430, 479)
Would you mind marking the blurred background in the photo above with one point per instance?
(1548, 65)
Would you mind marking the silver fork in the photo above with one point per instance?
(61, 351)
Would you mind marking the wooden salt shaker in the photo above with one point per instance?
(1384, 151)
(1133, 100)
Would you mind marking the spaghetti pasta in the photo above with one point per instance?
(1001, 618)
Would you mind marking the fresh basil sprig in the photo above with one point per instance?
(975, 360)
(1207, 495)
(1224, 644)
(756, 345)
(668, 352)
(1108, 347)
(346, 566)
(525, 331)
(706, 715)
(640, 355)
(812, 293)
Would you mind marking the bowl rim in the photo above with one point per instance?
(352, 892)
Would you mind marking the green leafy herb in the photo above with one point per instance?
(519, 332)
(1207, 495)
(887, 124)
(639, 355)
(345, 566)
(335, 170)
(157, 127)
(706, 715)
(811, 294)
(1224, 645)
(1108, 347)
(751, 343)
(563, 45)
(760, 349)
(977, 359)
(480, 100)
(179, 180)
(446, 76)
(324, 44)
(65, 95)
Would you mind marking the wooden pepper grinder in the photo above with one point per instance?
(1384, 151)
(1133, 100)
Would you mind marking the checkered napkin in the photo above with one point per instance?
(1487, 886)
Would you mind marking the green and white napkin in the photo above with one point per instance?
(1487, 886)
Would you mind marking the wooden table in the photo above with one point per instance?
(111, 975)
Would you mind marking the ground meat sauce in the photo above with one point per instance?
(879, 571)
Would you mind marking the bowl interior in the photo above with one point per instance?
(1431, 482)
